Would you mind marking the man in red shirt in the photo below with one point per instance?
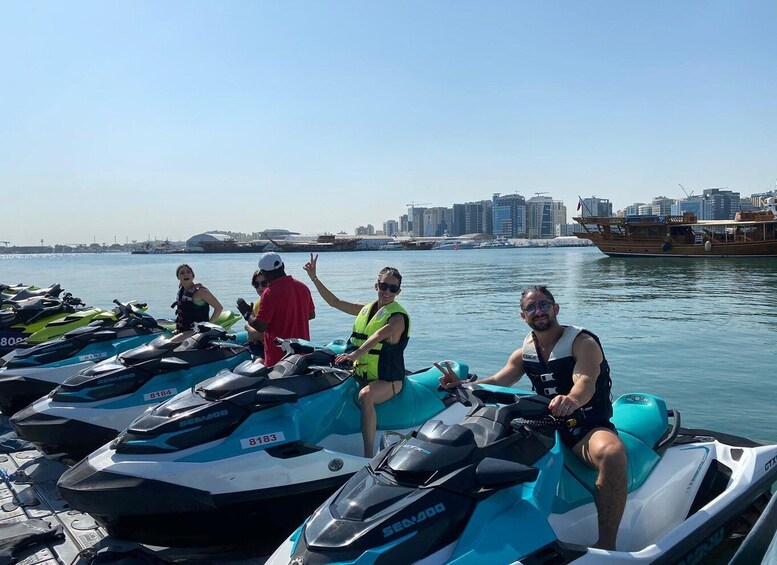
(284, 311)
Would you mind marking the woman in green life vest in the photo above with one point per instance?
(376, 346)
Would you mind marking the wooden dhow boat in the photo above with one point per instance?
(750, 234)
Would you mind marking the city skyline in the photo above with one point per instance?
(128, 120)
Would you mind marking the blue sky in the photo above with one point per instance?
(124, 119)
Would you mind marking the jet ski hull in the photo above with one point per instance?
(69, 431)
(175, 515)
(21, 387)
(684, 500)
(243, 456)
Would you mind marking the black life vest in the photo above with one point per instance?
(554, 376)
(188, 313)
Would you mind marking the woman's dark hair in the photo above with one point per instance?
(392, 272)
(257, 272)
(541, 288)
(181, 266)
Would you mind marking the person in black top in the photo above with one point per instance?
(193, 301)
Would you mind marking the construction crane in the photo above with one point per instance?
(687, 195)
(411, 206)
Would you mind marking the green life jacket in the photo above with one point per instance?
(384, 361)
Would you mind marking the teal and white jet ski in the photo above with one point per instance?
(93, 406)
(499, 487)
(245, 456)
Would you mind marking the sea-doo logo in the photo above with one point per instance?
(203, 419)
(698, 469)
(108, 380)
(297, 561)
(407, 523)
(771, 463)
(530, 356)
(704, 548)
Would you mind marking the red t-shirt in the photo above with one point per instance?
(286, 307)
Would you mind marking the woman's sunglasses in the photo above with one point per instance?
(262, 284)
(392, 288)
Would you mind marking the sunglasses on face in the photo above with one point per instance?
(261, 284)
(392, 288)
(542, 306)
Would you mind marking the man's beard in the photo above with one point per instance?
(544, 326)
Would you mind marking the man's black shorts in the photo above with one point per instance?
(570, 437)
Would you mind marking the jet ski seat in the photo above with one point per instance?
(417, 401)
(641, 421)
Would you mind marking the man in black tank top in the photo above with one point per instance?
(567, 365)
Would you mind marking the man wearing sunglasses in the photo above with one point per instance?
(567, 365)
(376, 346)
(285, 309)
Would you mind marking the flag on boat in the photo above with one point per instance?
(579, 203)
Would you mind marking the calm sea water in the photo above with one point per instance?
(700, 333)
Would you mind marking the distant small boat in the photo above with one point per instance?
(326, 242)
(454, 244)
(391, 246)
(498, 243)
(417, 245)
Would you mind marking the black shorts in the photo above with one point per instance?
(571, 437)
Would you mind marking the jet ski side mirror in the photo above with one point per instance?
(499, 473)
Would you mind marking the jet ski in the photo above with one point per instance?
(11, 294)
(30, 373)
(243, 457)
(92, 316)
(93, 406)
(26, 317)
(11, 289)
(499, 487)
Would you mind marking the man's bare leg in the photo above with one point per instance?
(603, 450)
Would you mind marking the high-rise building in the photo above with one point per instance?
(459, 220)
(539, 218)
(477, 217)
(509, 215)
(438, 221)
(390, 228)
(559, 218)
(595, 207)
(699, 205)
(404, 224)
(662, 206)
(724, 203)
(369, 229)
(645, 210)
(416, 221)
(633, 209)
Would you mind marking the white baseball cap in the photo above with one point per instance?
(270, 261)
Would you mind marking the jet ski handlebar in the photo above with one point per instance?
(549, 421)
